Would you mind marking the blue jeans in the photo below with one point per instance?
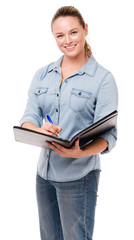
(67, 210)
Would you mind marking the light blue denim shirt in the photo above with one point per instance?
(84, 97)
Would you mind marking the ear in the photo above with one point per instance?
(86, 29)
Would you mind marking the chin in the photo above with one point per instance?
(71, 53)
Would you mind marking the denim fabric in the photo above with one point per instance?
(67, 210)
(84, 97)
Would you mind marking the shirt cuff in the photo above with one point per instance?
(111, 140)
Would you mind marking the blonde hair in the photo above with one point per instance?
(73, 12)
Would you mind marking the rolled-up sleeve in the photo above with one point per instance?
(107, 102)
(33, 112)
(111, 138)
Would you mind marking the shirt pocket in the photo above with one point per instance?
(41, 94)
(79, 99)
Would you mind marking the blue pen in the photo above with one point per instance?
(49, 119)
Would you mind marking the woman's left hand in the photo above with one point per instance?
(73, 152)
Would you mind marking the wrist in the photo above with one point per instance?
(31, 126)
(95, 147)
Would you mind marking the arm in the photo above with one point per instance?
(97, 146)
(46, 128)
(31, 126)
(106, 102)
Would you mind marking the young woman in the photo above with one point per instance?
(76, 92)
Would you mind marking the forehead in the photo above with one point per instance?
(65, 23)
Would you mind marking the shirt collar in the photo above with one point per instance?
(55, 65)
(89, 68)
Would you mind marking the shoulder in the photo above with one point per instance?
(102, 73)
(96, 70)
(43, 71)
(39, 75)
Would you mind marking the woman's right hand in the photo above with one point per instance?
(50, 129)
(46, 128)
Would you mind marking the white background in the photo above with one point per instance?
(26, 44)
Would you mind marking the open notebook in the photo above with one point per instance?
(87, 135)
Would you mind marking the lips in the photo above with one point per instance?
(70, 47)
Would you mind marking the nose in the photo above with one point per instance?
(67, 39)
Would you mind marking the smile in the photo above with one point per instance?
(71, 47)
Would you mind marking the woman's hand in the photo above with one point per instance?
(95, 147)
(74, 152)
(46, 128)
(50, 129)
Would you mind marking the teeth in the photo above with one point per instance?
(70, 47)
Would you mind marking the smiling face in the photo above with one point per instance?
(70, 35)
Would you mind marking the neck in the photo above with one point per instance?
(79, 60)
(71, 65)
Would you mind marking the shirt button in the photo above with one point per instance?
(57, 94)
(56, 110)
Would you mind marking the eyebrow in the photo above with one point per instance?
(69, 31)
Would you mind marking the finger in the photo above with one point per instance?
(61, 148)
(50, 145)
(56, 128)
(57, 146)
(77, 142)
(54, 148)
(51, 127)
(48, 132)
(59, 129)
